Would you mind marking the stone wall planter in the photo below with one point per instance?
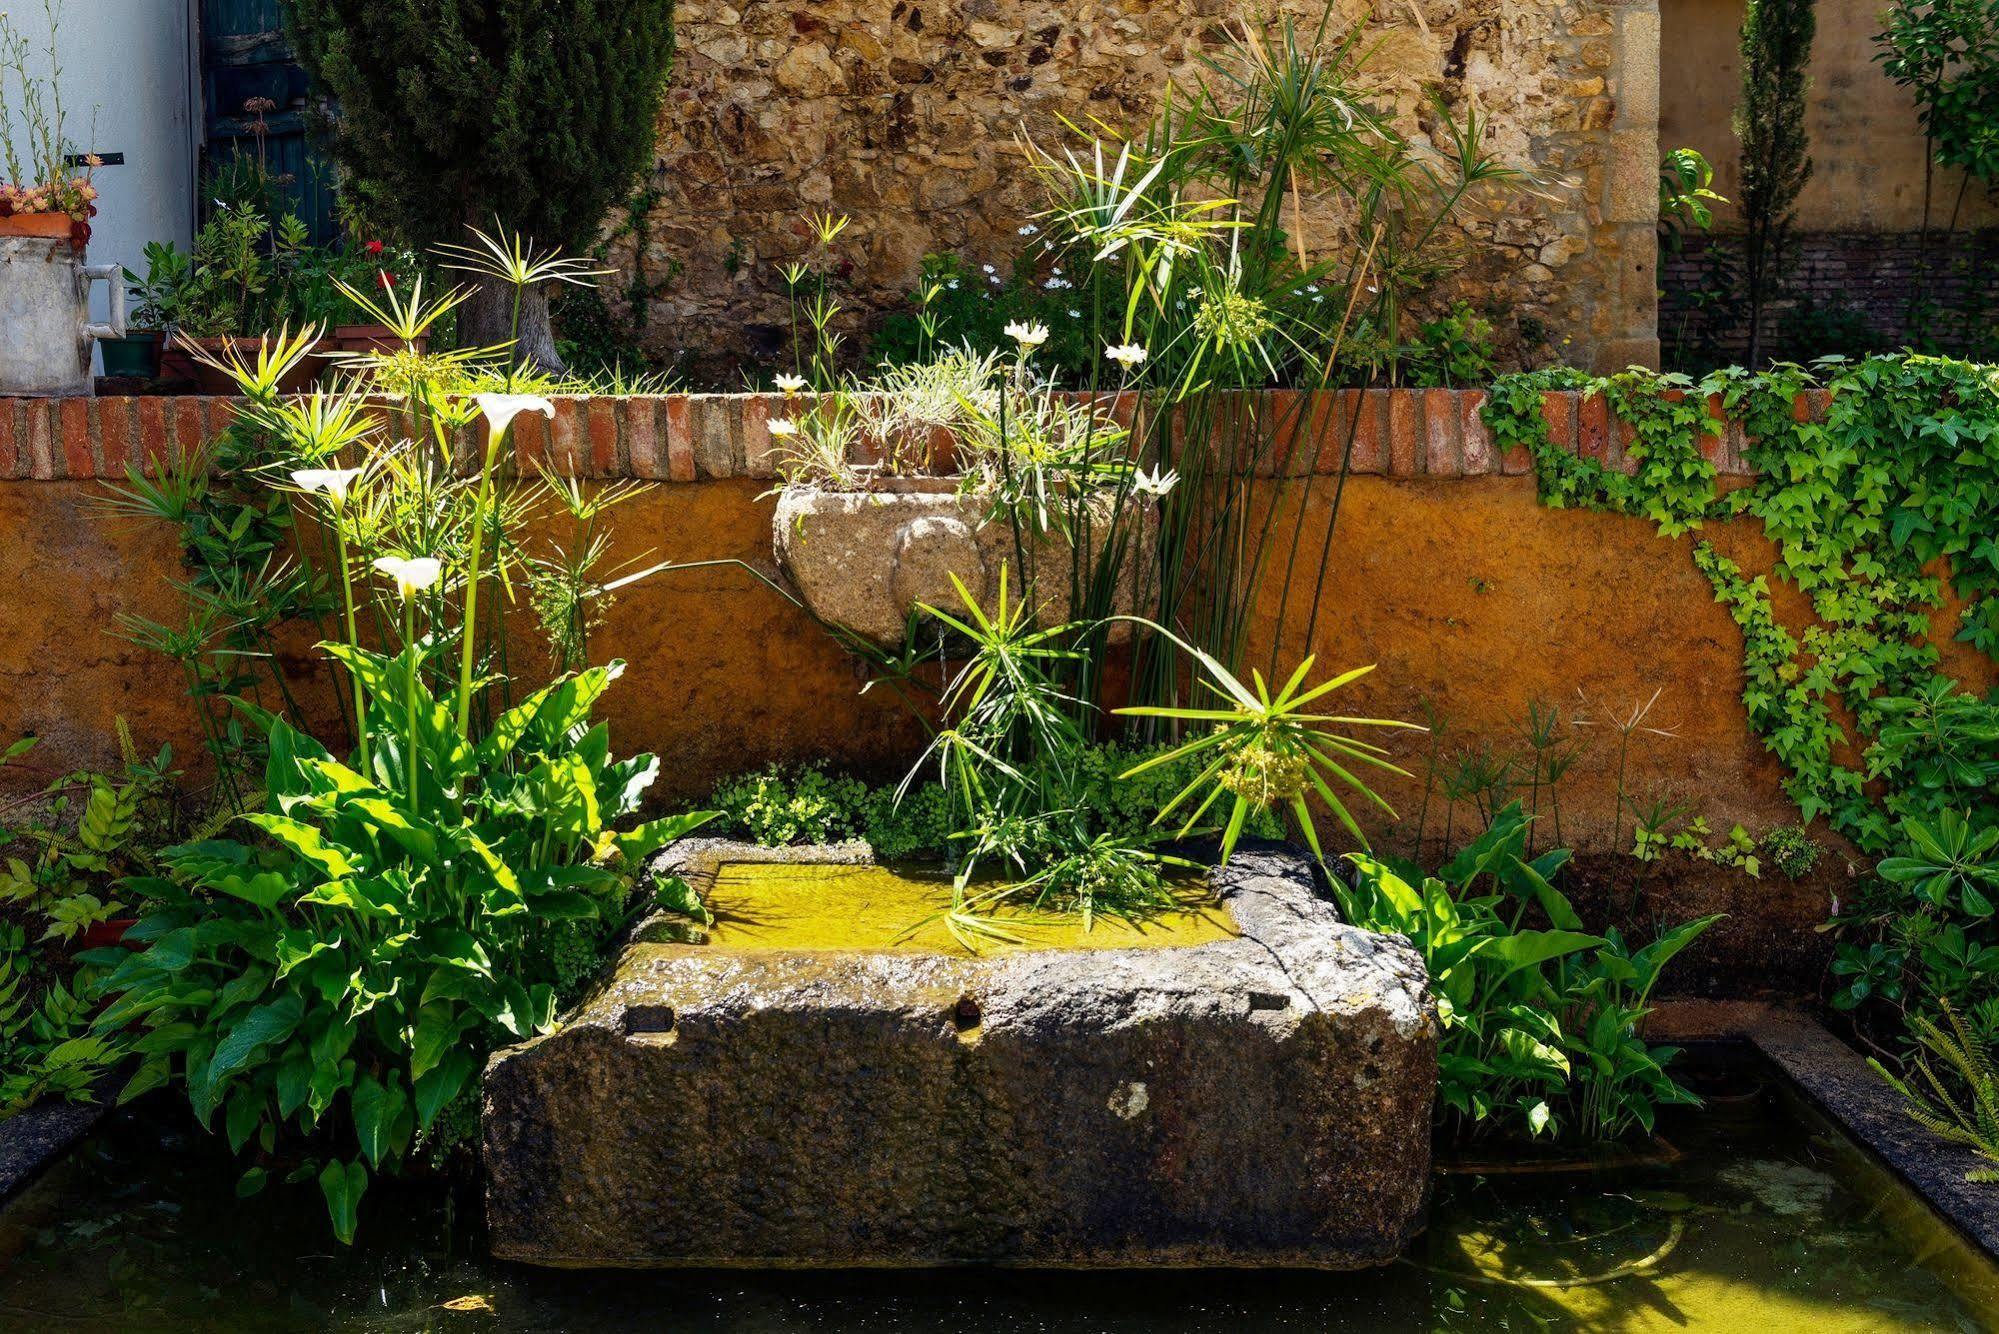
(1258, 1101)
(865, 559)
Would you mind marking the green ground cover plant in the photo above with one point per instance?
(1540, 1023)
(65, 848)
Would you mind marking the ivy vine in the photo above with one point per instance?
(1884, 513)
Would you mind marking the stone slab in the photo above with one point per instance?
(1259, 1101)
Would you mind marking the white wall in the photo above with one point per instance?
(128, 87)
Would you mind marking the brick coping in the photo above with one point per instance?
(1401, 433)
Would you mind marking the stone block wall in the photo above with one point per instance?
(907, 115)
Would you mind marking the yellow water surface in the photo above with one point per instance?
(878, 908)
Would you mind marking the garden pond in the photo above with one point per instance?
(1761, 1217)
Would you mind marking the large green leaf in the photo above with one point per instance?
(438, 1027)
(307, 842)
(343, 1184)
(381, 1119)
(266, 1024)
(437, 1087)
(642, 841)
(1529, 949)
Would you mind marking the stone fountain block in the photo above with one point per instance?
(1258, 1101)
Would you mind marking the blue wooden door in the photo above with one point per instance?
(245, 57)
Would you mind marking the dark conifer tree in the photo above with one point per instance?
(537, 114)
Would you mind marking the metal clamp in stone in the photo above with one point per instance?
(1258, 1101)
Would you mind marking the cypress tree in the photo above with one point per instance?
(1776, 159)
(536, 114)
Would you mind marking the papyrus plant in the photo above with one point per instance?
(1269, 749)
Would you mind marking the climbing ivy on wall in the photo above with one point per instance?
(1884, 512)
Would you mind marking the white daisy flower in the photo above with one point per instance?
(1029, 336)
(1128, 355)
(782, 428)
(1154, 483)
(789, 384)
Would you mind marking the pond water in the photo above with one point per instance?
(790, 905)
(1766, 1222)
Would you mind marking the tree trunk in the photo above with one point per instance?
(487, 320)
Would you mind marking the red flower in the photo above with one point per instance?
(382, 277)
(373, 247)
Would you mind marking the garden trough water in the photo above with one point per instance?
(1257, 1095)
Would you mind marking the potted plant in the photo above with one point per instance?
(47, 200)
(948, 473)
(341, 304)
(238, 291)
(247, 278)
(155, 311)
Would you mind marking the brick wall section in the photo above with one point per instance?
(1396, 433)
(1858, 284)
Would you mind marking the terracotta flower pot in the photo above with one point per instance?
(37, 224)
(369, 338)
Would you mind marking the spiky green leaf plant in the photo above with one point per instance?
(1270, 749)
(1968, 1115)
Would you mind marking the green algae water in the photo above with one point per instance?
(790, 905)
(1766, 1222)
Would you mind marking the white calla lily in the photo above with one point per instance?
(332, 483)
(411, 576)
(501, 409)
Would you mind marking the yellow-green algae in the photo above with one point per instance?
(790, 906)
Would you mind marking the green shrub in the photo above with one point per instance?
(1540, 1025)
(336, 983)
(781, 805)
(1881, 510)
(1792, 851)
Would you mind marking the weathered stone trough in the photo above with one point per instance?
(1262, 1099)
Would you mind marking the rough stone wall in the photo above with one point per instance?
(906, 116)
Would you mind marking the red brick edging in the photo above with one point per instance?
(1400, 433)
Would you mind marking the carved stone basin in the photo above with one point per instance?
(865, 559)
(1253, 1094)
